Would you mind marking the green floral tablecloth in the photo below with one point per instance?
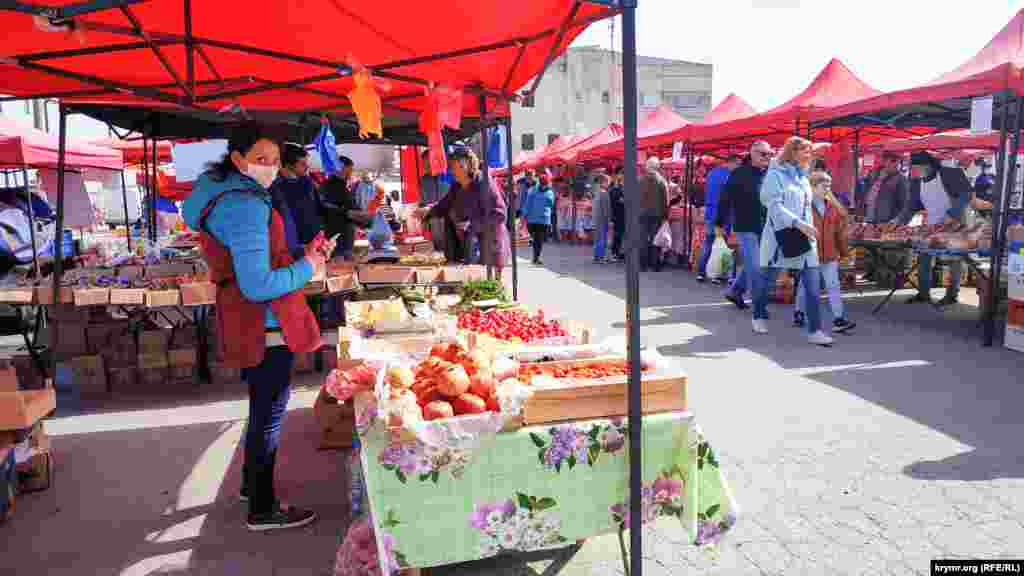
(538, 487)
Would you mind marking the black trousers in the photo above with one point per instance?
(619, 233)
(538, 235)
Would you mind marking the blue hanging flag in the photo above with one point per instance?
(496, 147)
(328, 149)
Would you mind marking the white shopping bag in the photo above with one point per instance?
(663, 239)
(721, 259)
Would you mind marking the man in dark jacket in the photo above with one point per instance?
(887, 194)
(341, 212)
(653, 201)
(294, 190)
(618, 198)
(741, 200)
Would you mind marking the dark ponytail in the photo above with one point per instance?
(242, 139)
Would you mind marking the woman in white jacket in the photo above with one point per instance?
(789, 240)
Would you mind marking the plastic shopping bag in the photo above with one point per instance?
(720, 261)
(663, 239)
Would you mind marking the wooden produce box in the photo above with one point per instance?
(336, 421)
(428, 274)
(342, 282)
(91, 296)
(25, 295)
(315, 287)
(161, 298)
(582, 399)
(24, 408)
(44, 294)
(375, 274)
(128, 296)
(198, 293)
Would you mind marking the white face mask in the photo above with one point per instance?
(265, 175)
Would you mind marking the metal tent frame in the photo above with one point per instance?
(185, 105)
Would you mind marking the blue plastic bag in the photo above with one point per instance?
(380, 233)
(327, 147)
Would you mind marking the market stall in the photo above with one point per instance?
(991, 78)
(225, 81)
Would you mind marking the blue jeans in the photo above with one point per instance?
(761, 284)
(600, 239)
(830, 276)
(750, 254)
(810, 288)
(705, 250)
(269, 390)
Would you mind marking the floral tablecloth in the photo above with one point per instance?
(537, 487)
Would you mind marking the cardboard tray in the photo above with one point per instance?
(378, 274)
(24, 408)
(342, 282)
(44, 294)
(336, 421)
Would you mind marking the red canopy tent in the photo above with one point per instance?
(24, 146)
(660, 121)
(609, 133)
(731, 108)
(552, 154)
(995, 68)
(962, 140)
(133, 149)
(158, 54)
(834, 86)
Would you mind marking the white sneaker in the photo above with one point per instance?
(820, 338)
(759, 326)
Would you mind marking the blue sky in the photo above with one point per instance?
(769, 50)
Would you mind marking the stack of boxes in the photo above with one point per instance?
(25, 460)
(1014, 338)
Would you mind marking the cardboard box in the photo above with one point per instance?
(1015, 313)
(35, 475)
(128, 296)
(122, 379)
(336, 421)
(153, 361)
(9, 379)
(44, 294)
(162, 298)
(154, 341)
(26, 295)
(182, 357)
(170, 269)
(8, 482)
(378, 274)
(198, 293)
(91, 296)
(90, 375)
(24, 408)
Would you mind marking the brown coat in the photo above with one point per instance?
(833, 244)
(653, 195)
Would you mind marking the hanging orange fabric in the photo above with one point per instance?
(366, 104)
(443, 108)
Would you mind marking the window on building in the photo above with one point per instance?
(643, 99)
(688, 100)
(579, 97)
(28, 106)
(527, 141)
(552, 138)
(606, 97)
(528, 101)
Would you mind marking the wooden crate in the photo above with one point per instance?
(387, 274)
(44, 294)
(128, 296)
(342, 282)
(26, 295)
(582, 399)
(161, 298)
(336, 421)
(198, 293)
(91, 296)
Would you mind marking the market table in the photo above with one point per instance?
(876, 249)
(536, 487)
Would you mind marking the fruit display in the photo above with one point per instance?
(454, 382)
(588, 371)
(432, 259)
(511, 325)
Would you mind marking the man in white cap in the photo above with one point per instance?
(653, 202)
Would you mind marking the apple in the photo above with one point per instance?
(469, 404)
(439, 350)
(492, 404)
(399, 377)
(429, 395)
(482, 384)
(453, 381)
(437, 410)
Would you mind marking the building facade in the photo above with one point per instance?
(43, 115)
(581, 92)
